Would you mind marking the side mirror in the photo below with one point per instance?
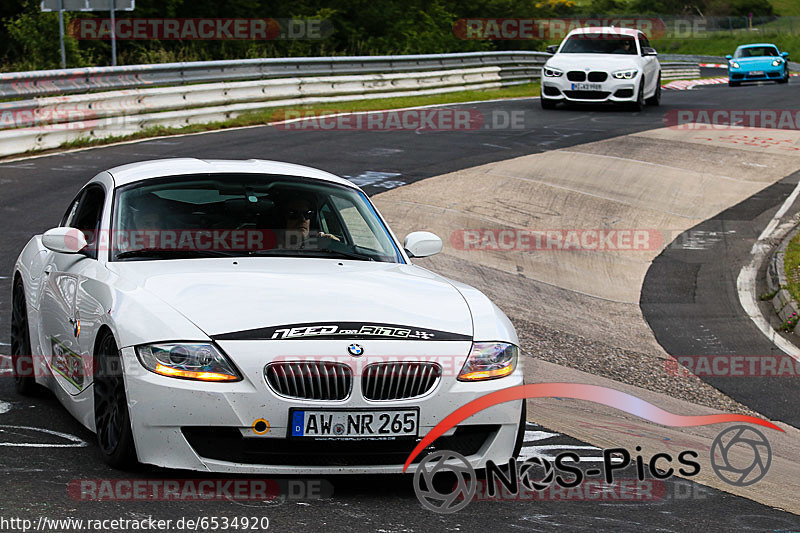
(784, 55)
(552, 49)
(422, 244)
(647, 51)
(64, 240)
(728, 57)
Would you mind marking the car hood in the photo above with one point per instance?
(755, 62)
(247, 298)
(604, 62)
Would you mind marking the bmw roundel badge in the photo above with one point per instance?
(356, 350)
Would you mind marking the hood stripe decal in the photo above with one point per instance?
(342, 330)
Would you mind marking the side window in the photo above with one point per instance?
(69, 216)
(329, 221)
(643, 42)
(357, 226)
(88, 214)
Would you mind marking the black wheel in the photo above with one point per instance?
(638, 104)
(734, 83)
(112, 422)
(655, 100)
(785, 78)
(547, 103)
(21, 356)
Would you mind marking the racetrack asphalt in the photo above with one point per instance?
(37, 190)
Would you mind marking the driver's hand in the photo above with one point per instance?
(322, 235)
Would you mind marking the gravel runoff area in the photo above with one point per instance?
(626, 366)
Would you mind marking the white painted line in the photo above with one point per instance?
(75, 442)
(538, 435)
(564, 447)
(530, 451)
(746, 282)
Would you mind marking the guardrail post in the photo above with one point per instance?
(61, 33)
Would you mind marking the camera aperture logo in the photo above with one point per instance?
(540, 474)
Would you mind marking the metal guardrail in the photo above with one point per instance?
(720, 60)
(70, 81)
(674, 70)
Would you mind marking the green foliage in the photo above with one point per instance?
(34, 37)
(29, 38)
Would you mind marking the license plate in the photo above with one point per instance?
(757, 73)
(586, 86)
(362, 424)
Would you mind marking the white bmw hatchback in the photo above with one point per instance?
(255, 317)
(606, 64)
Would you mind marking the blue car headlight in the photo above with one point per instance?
(777, 62)
(734, 64)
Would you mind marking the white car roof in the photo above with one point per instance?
(605, 29)
(159, 168)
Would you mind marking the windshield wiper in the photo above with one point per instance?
(159, 253)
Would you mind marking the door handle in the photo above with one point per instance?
(48, 269)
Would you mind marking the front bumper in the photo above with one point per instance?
(766, 74)
(561, 89)
(209, 426)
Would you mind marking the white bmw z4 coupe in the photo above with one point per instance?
(255, 317)
(607, 64)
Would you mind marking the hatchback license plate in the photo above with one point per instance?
(586, 86)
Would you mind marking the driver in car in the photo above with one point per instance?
(298, 212)
(624, 47)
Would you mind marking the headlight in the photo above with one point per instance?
(777, 62)
(734, 64)
(552, 72)
(489, 360)
(625, 74)
(203, 362)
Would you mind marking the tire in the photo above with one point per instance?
(112, 421)
(785, 78)
(547, 103)
(734, 83)
(21, 356)
(638, 104)
(655, 100)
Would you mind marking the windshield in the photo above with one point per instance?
(238, 215)
(599, 43)
(757, 51)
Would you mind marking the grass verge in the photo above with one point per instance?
(791, 264)
(266, 116)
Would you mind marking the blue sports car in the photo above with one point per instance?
(757, 62)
